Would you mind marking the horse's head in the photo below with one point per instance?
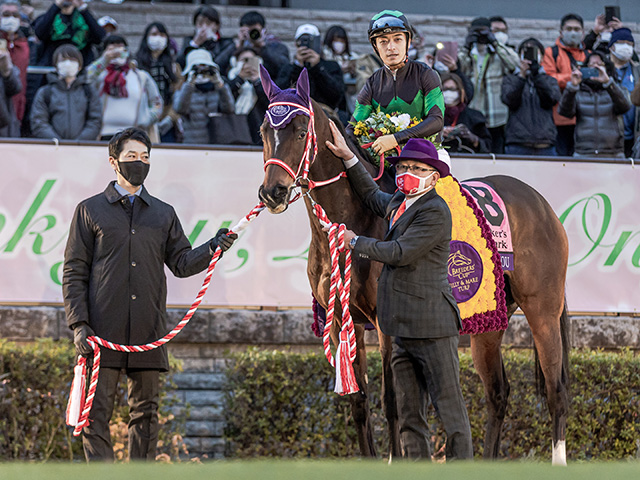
(287, 135)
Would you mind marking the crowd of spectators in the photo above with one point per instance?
(577, 97)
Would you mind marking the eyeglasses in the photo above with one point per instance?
(413, 169)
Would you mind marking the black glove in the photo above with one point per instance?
(471, 39)
(534, 68)
(223, 240)
(80, 333)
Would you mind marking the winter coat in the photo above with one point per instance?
(113, 275)
(19, 52)
(256, 116)
(9, 86)
(477, 124)
(66, 113)
(195, 106)
(598, 111)
(530, 101)
(326, 83)
(43, 28)
(560, 68)
(221, 51)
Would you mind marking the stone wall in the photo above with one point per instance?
(205, 343)
(133, 17)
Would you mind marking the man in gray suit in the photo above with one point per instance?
(415, 303)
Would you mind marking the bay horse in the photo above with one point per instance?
(536, 285)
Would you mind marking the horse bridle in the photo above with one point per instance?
(307, 159)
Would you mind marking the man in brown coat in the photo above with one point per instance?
(114, 287)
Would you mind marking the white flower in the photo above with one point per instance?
(401, 121)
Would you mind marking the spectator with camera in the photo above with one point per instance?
(13, 39)
(335, 47)
(621, 46)
(325, 76)
(559, 62)
(67, 21)
(530, 95)
(442, 62)
(68, 107)
(500, 30)
(486, 60)
(246, 87)
(253, 34)
(202, 95)
(206, 21)
(130, 97)
(465, 129)
(9, 87)
(157, 56)
(599, 36)
(598, 104)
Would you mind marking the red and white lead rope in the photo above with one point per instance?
(79, 407)
(346, 351)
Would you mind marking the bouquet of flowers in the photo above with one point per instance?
(380, 123)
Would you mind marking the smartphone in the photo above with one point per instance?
(610, 12)
(446, 48)
(529, 53)
(589, 72)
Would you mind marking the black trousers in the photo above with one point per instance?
(429, 366)
(143, 387)
(497, 139)
(565, 141)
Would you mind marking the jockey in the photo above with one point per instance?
(401, 85)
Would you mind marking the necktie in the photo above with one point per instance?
(399, 212)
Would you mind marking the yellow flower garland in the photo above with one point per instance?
(465, 228)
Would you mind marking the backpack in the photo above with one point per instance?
(555, 51)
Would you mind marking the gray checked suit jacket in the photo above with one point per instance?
(414, 296)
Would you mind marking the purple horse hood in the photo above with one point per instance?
(279, 116)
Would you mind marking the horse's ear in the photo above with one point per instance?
(270, 88)
(302, 86)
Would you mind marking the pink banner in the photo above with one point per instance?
(40, 186)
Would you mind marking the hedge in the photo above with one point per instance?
(34, 388)
(282, 405)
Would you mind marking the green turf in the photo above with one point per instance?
(321, 470)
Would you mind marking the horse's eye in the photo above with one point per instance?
(302, 134)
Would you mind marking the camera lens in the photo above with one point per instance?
(255, 34)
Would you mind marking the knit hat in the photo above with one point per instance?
(621, 34)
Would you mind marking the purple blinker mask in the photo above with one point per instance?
(279, 116)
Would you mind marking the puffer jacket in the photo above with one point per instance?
(530, 101)
(195, 106)
(9, 87)
(598, 111)
(66, 113)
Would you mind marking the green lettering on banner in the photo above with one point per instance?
(606, 219)
(54, 273)
(3, 220)
(37, 203)
(197, 230)
(619, 246)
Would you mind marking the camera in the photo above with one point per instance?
(205, 70)
(309, 41)
(530, 53)
(589, 72)
(254, 34)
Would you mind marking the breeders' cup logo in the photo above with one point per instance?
(464, 269)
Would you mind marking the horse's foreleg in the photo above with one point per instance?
(388, 396)
(487, 360)
(360, 400)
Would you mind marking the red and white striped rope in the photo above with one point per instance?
(84, 407)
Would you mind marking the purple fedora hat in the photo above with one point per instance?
(424, 151)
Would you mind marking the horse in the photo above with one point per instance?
(536, 284)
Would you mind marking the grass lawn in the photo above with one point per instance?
(321, 470)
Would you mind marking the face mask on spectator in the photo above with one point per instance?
(623, 51)
(67, 68)
(134, 172)
(201, 78)
(605, 37)
(451, 97)
(571, 39)
(157, 43)
(440, 67)
(122, 59)
(9, 24)
(339, 47)
(502, 37)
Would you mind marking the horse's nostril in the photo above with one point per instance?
(280, 191)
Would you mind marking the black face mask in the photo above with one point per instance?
(134, 172)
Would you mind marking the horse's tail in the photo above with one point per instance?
(566, 348)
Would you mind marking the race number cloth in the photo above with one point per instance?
(474, 268)
(494, 210)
